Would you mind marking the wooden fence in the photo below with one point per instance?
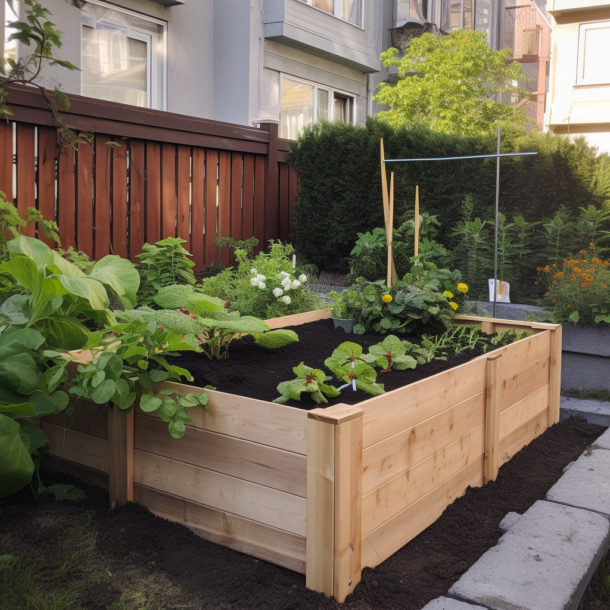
(146, 176)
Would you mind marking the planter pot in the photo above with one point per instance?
(586, 357)
(346, 324)
(332, 486)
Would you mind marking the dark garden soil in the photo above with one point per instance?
(255, 372)
(419, 572)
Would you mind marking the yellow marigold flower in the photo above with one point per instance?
(604, 286)
(587, 277)
(596, 261)
(462, 288)
(577, 270)
(547, 294)
(454, 306)
(157, 350)
(386, 298)
(582, 252)
(547, 268)
(447, 294)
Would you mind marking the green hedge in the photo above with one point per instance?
(339, 190)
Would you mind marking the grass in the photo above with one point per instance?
(599, 394)
(55, 566)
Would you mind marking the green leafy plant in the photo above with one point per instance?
(247, 245)
(265, 286)
(308, 381)
(163, 264)
(130, 362)
(78, 258)
(341, 307)
(38, 31)
(360, 375)
(390, 354)
(55, 297)
(31, 377)
(347, 353)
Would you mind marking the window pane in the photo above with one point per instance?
(270, 99)
(114, 67)
(467, 24)
(342, 108)
(483, 17)
(10, 48)
(297, 108)
(352, 11)
(322, 105)
(456, 15)
(325, 5)
(596, 67)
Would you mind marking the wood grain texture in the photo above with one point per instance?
(26, 172)
(348, 508)
(6, 159)
(521, 384)
(247, 222)
(555, 376)
(153, 192)
(262, 541)
(66, 197)
(386, 415)
(283, 203)
(224, 202)
(211, 205)
(121, 452)
(275, 468)
(252, 420)
(228, 494)
(522, 436)
(259, 203)
(88, 417)
(236, 195)
(47, 155)
(138, 187)
(120, 214)
(384, 541)
(492, 418)
(524, 410)
(168, 191)
(292, 197)
(198, 208)
(320, 506)
(516, 324)
(84, 195)
(87, 475)
(397, 494)
(299, 318)
(385, 460)
(77, 447)
(102, 182)
(183, 182)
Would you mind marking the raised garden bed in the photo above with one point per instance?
(329, 491)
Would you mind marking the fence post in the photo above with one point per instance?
(492, 418)
(272, 178)
(121, 451)
(555, 376)
(334, 500)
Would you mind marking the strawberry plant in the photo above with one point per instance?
(310, 381)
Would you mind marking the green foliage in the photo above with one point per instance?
(130, 362)
(363, 376)
(341, 307)
(78, 258)
(55, 296)
(337, 199)
(39, 32)
(390, 354)
(265, 286)
(163, 264)
(369, 258)
(309, 381)
(451, 83)
(237, 244)
(31, 376)
(426, 297)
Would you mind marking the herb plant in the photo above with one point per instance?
(309, 381)
(163, 264)
(131, 361)
(390, 354)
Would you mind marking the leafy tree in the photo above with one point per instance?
(449, 84)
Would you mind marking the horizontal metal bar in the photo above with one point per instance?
(523, 154)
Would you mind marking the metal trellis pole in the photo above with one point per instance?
(496, 225)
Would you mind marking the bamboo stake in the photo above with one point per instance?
(390, 236)
(417, 220)
(386, 208)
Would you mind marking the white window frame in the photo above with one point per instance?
(157, 94)
(336, 14)
(316, 86)
(580, 80)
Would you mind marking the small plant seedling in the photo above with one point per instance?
(309, 381)
(390, 354)
(347, 352)
(360, 375)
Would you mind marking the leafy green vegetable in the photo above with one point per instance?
(363, 375)
(310, 381)
(390, 354)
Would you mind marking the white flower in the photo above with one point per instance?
(254, 281)
(302, 278)
(286, 284)
(296, 284)
(262, 285)
(284, 274)
(286, 299)
(261, 278)
(253, 271)
(278, 292)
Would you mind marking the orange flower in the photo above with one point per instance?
(582, 252)
(569, 306)
(569, 254)
(536, 282)
(585, 285)
(554, 301)
(547, 294)
(587, 277)
(591, 246)
(538, 268)
(554, 265)
(558, 275)
(604, 286)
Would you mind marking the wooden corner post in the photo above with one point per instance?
(492, 418)
(334, 500)
(555, 376)
(121, 449)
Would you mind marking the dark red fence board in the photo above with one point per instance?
(66, 197)
(6, 159)
(120, 218)
(103, 160)
(168, 191)
(138, 195)
(47, 156)
(26, 171)
(247, 222)
(184, 195)
(152, 175)
(224, 202)
(283, 203)
(198, 207)
(84, 199)
(211, 207)
(259, 202)
(292, 197)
